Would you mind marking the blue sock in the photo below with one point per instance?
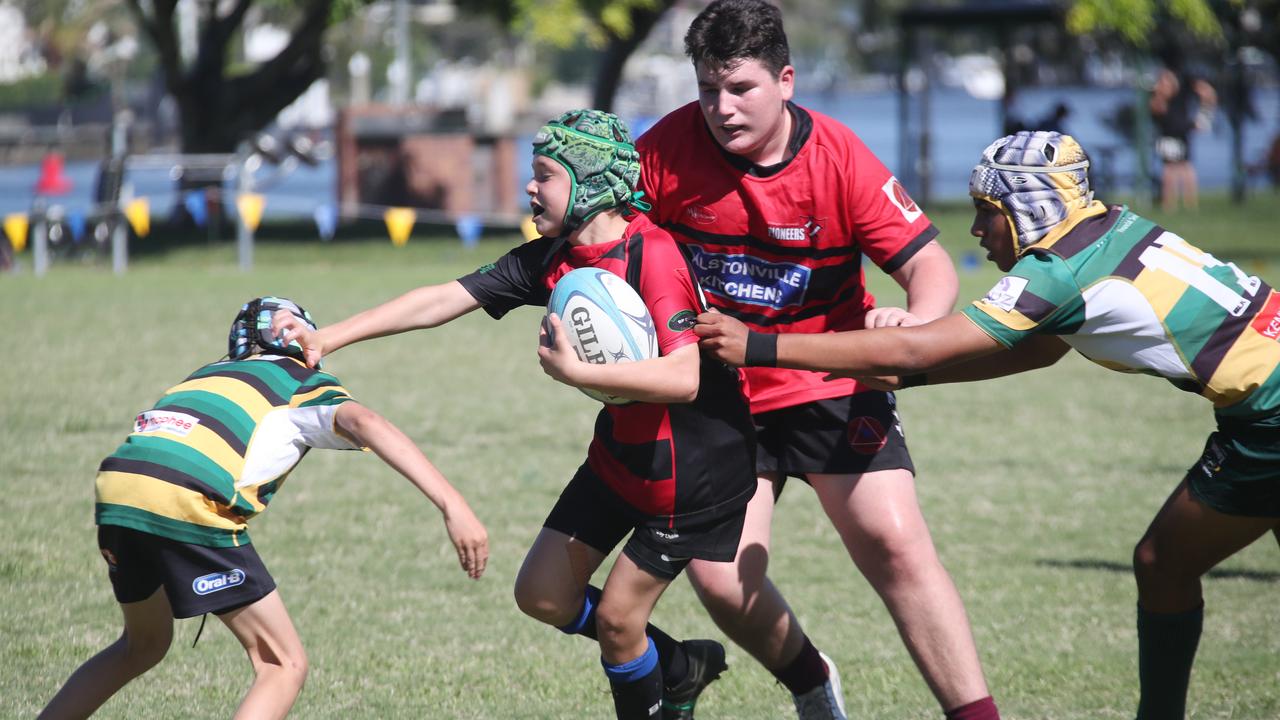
(585, 624)
(636, 685)
(671, 654)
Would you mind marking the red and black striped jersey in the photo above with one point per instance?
(666, 461)
(781, 247)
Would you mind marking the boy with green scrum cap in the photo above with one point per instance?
(672, 470)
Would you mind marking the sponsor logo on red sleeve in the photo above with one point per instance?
(901, 200)
(1267, 321)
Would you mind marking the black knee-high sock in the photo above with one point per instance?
(1166, 649)
(636, 686)
(671, 654)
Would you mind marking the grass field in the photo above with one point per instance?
(1036, 489)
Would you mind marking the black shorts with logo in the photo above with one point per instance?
(196, 579)
(593, 514)
(849, 435)
(1239, 471)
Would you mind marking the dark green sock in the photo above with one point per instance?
(1166, 649)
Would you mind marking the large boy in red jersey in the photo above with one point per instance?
(778, 205)
(674, 470)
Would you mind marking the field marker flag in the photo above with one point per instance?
(15, 227)
(197, 206)
(399, 222)
(250, 205)
(326, 217)
(138, 213)
(527, 229)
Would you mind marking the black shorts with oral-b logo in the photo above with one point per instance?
(196, 579)
(849, 435)
(591, 513)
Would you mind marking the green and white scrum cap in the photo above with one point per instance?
(604, 167)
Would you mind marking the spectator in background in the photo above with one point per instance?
(1179, 105)
(1056, 120)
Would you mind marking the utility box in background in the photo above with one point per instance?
(420, 158)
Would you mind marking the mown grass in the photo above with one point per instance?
(1036, 489)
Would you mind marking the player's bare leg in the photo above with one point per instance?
(878, 518)
(629, 656)
(741, 599)
(148, 630)
(554, 576)
(1186, 540)
(279, 662)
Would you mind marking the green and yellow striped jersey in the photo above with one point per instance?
(215, 449)
(1134, 297)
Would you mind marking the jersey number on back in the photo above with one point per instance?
(1173, 255)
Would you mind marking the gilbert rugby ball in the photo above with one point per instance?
(605, 320)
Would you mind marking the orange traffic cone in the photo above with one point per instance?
(53, 180)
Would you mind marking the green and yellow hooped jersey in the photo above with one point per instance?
(215, 449)
(1134, 297)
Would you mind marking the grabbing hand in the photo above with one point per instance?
(890, 317)
(289, 328)
(722, 336)
(557, 356)
(469, 538)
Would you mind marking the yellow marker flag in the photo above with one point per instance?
(528, 230)
(250, 207)
(15, 227)
(399, 222)
(138, 213)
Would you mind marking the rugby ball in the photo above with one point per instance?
(605, 319)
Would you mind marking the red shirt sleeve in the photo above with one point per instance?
(889, 226)
(668, 289)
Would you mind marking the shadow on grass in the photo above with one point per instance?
(1108, 566)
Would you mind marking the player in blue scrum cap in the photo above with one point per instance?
(673, 470)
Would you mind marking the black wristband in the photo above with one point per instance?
(762, 349)
(909, 381)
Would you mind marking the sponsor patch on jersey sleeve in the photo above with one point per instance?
(897, 195)
(1006, 292)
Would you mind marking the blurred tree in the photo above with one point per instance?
(614, 27)
(220, 103)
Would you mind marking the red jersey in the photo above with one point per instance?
(664, 460)
(780, 248)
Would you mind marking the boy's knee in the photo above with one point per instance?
(543, 607)
(144, 650)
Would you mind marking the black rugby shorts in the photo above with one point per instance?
(197, 579)
(592, 513)
(849, 435)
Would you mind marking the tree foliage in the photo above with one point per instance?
(217, 107)
(1136, 20)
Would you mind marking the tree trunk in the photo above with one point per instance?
(614, 58)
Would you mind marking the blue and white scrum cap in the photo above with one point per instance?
(1038, 178)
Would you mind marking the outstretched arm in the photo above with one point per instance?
(1035, 352)
(672, 378)
(883, 351)
(396, 449)
(423, 307)
(929, 278)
